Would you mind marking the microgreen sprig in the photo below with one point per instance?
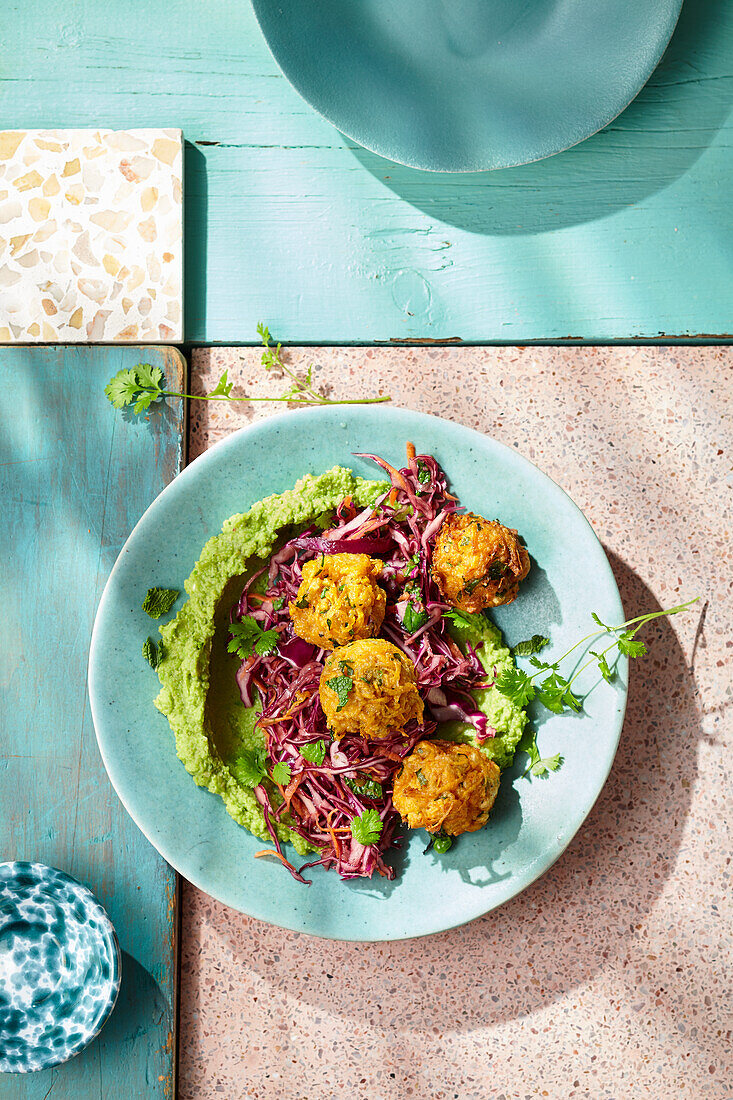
(144, 384)
(556, 690)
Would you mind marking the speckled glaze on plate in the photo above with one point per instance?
(465, 85)
(59, 967)
(532, 822)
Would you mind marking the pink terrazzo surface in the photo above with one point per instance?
(610, 977)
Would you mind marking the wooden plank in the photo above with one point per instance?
(627, 235)
(75, 476)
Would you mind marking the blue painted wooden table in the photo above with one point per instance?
(628, 235)
(75, 476)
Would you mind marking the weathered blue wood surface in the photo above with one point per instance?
(75, 476)
(627, 235)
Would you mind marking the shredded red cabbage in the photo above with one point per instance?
(320, 800)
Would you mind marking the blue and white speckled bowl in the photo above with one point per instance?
(59, 967)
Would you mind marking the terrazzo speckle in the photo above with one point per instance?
(91, 236)
(610, 977)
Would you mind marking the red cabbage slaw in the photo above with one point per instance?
(322, 797)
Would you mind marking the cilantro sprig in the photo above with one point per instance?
(281, 773)
(248, 638)
(367, 828)
(144, 384)
(555, 690)
(314, 752)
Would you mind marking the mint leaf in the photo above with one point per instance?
(314, 752)
(530, 646)
(367, 828)
(414, 617)
(150, 653)
(366, 788)
(159, 601)
(281, 773)
(342, 686)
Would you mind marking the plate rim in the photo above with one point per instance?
(208, 457)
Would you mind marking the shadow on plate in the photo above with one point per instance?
(665, 130)
(570, 924)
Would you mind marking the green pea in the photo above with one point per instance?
(441, 844)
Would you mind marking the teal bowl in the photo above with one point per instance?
(533, 820)
(465, 85)
(59, 967)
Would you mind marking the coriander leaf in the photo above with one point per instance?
(248, 637)
(603, 666)
(542, 767)
(148, 376)
(471, 586)
(159, 601)
(150, 653)
(278, 604)
(412, 563)
(515, 685)
(530, 646)
(631, 646)
(342, 686)
(145, 399)
(556, 694)
(423, 473)
(366, 828)
(314, 752)
(281, 773)
(367, 788)
(121, 389)
(222, 388)
(267, 642)
(496, 571)
(463, 619)
(249, 767)
(595, 619)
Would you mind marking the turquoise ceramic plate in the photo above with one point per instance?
(532, 822)
(464, 85)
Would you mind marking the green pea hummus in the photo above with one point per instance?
(199, 693)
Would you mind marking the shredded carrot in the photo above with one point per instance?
(257, 596)
(272, 852)
(410, 451)
(392, 498)
(334, 841)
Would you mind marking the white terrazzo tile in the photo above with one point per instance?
(91, 236)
